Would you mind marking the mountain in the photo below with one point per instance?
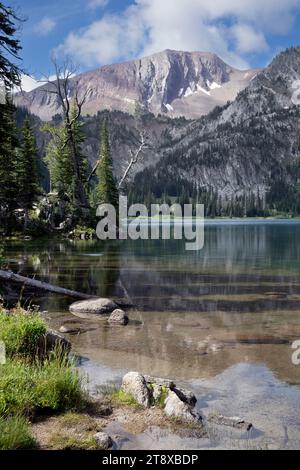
(252, 144)
(174, 83)
(249, 146)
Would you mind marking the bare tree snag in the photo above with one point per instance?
(61, 88)
(134, 158)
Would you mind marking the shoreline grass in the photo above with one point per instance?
(32, 384)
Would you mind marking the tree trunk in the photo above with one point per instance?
(9, 276)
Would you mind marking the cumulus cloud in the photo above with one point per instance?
(230, 28)
(45, 26)
(249, 40)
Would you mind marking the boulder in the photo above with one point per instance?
(135, 385)
(158, 381)
(69, 329)
(157, 392)
(93, 307)
(175, 408)
(118, 317)
(52, 339)
(186, 396)
(104, 441)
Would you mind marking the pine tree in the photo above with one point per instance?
(59, 163)
(28, 175)
(9, 188)
(106, 190)
(9, 47)
(79, 139)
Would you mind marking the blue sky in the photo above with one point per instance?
(98, 32)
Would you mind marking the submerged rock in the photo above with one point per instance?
(98, 306)
(135, 385)
(234, 422)
(104, 441)
(176, 408)
(118, 317)
(69, 329)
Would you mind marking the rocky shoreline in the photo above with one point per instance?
(143, 398)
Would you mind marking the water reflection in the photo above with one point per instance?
(196, 312)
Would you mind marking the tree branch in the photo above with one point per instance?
(134, 158)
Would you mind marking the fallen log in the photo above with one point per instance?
(9, 276)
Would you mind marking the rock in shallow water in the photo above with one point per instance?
(159, 381)
(52, 339)
(69, 329)
(175, 408)
(135, 385)
(118, 317)
(93, 306)
(103, 440)
(185, 395)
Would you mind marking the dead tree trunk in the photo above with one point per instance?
(9, 276)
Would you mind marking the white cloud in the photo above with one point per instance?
(248, 39)
(45, 26)
(230, 28)
(97, 3)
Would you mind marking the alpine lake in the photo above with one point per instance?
(220, 321)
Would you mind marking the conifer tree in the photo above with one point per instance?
(59, 159)
(79, 139)
(9, 169)
(59, 163)
(106, 189)
(28, 175)
(9, 47)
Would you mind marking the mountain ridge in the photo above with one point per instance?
(175, 83)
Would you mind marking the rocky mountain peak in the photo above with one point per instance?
(175, 83)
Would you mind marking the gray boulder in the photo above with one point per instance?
(118, 317)
(159, 381)
(69, 329)
(157, 392)
(175, 408)
(186, 396)
(93, 307)
(135, 385)
(53, 339)
(103, 440)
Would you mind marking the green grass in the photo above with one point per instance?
(63, 441)
(78, 420)
(119, 398)
(160, 402)
(21, 332)
(31, 384)
(26, 388)
(15, 434)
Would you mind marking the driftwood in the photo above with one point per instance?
(9, 276)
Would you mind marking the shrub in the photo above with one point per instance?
(15, 434)
(21, 332)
